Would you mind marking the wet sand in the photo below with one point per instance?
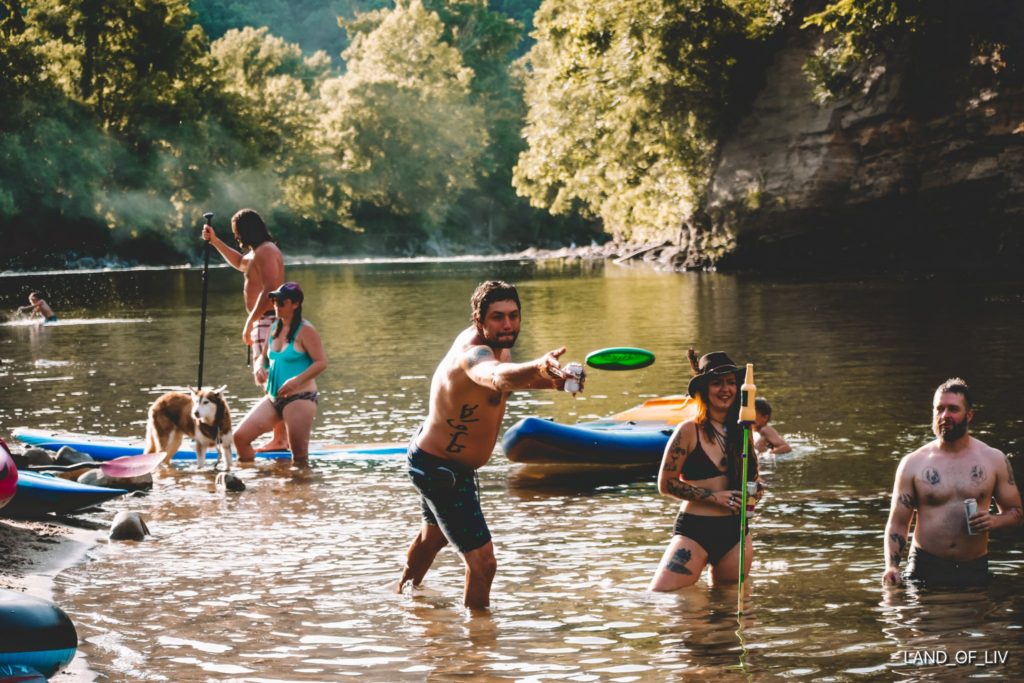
(32, 554)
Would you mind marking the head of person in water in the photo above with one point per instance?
(497, 313)
(952, 409)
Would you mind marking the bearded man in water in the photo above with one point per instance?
(948, 548)
(467, 403)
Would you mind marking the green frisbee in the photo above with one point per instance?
(620, 358)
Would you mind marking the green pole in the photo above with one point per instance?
(743, 515)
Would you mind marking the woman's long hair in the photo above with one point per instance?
(293, 329)
(733, 437)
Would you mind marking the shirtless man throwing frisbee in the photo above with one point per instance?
(467, 403)
(949, 548)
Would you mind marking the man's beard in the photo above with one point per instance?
(503, 342)
(951, 433)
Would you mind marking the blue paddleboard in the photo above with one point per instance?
(110, 447)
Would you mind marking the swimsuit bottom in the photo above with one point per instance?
(717, 535)
(927, 569)
(51, 319)
(449, 498)
(280, 403)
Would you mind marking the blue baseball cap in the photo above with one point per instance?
(289, 290)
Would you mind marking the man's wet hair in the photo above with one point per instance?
(763, 407)
(956, 385)
(488, 293)
(250, 228)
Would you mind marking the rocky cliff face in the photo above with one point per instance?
(868, 181)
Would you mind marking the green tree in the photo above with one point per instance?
(273, 94)
(942, 46)
(401, 119)
(625, 103)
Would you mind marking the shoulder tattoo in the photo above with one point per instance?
(479, 354)
(1009, 471)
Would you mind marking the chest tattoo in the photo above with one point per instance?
(931, 475)
(977, 473)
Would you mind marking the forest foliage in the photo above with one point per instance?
(417, 126)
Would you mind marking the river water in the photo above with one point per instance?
(290, 580)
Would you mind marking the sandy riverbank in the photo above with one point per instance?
(32, 554)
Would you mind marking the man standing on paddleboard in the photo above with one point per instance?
(950, 544)
(467, 403)
(262, 265)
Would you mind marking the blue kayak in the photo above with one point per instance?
(40, 494)
(536, 441)
(110, 447)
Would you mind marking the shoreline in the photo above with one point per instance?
(32, 554)
(660, 255)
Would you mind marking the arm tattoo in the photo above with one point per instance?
(900, 542)
(684, 491)
(1009, 470)
(931, 475)
(672, 461)
(479, 355)
(907, 500)
(677, 563)
(977, 473)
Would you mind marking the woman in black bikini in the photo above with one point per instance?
(702, 467)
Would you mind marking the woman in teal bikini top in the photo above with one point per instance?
(284, 364)
(289, 374)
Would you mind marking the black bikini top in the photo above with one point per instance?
(699, 466)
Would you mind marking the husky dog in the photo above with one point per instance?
(204, 416)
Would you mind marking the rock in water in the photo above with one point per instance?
(230, 482)
(37, 456)
(128, 526)
(69, 456)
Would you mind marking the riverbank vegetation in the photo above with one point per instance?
(422, 127)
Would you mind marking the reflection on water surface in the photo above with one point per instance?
(290, 580)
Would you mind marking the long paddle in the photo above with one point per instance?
(125, 467)
(208, 217)
(747, 416)
(620, 358)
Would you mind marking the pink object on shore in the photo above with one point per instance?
(8, 474)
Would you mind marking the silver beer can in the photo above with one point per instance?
(970, 509)
(574, 372)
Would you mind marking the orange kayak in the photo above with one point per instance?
(667, 410)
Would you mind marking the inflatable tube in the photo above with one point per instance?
(40, 494)
(633, 437)
(110, 447)
(16, 673)
(8, 475)
(35, 633)
(533, 440)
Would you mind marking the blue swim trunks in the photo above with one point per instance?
(449, 499)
